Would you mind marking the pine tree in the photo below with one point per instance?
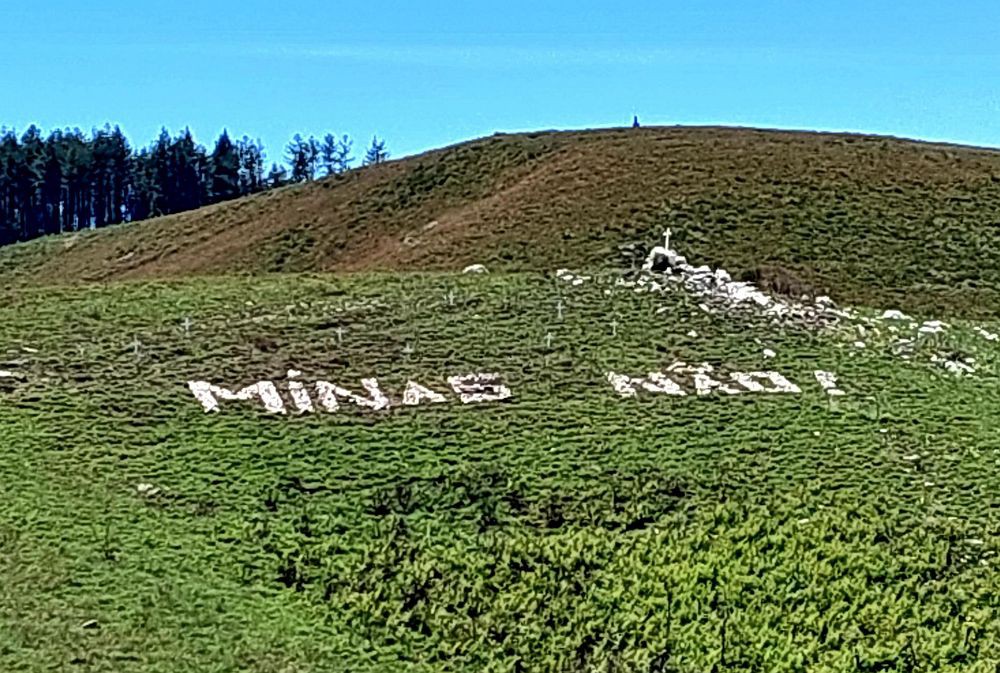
(28, 182)
(376, 153)
(251, 166)
(189, 178)
(298, 157)
(336, 154)
(277, 177)
(225, 170)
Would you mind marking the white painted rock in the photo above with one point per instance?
(475, 268)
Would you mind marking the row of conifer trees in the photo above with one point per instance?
(69, 181)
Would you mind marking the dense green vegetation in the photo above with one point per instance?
(565, 529)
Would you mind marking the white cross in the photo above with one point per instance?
(666, 238)
(135, 346)
(559, 309)
(451, 297)
(408, 349)
(340, 335)
(548, 340)
(187, 326)
(614, 328)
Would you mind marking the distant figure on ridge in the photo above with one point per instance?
(635, 121)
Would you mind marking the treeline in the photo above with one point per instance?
(70, 181)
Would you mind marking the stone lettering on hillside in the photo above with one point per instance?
(329, 397)
(299, 397)
(682, 379)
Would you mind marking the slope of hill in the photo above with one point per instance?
(865, 219)
(536, 469)
(758, 525)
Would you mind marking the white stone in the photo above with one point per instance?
(989, 336)
(474, 388)
(329, 395)
(828, 382)
(754, 382)
(415, 393)
(209, 395)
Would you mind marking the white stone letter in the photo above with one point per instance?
(752, 382)
(415, 393)
(705, 384)
(298, 392)
(328, 393)
(623, 385)
(209, 395)
(661, 383)
(473, 388)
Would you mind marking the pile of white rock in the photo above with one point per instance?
(717, 289)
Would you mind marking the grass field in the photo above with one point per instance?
(566, 528)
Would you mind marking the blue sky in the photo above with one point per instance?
(427, 74)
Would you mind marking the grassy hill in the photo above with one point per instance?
(566, 528)
(865, 219)
(569, 527)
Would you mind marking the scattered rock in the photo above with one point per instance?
(148, 490)
(828, 382)
(932, 327)
(989, 336)
(720, 292)
(954, 364)
(475, 268)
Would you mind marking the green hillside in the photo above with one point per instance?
(865, 219)
(564, 528)
(287, 434)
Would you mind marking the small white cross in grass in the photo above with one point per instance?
(340, 335)
(548, 340)
(187, 326)
(614, 328)
(408, 349)
(451, 297)
(559, 309)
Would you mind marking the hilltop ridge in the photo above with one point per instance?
(866, 219)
